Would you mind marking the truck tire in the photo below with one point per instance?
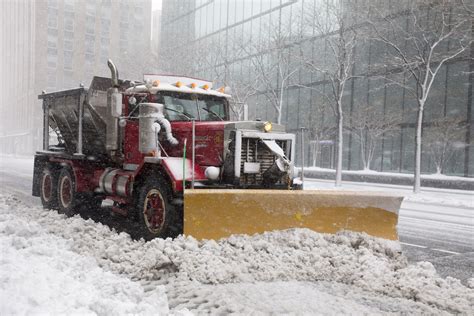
(48, 188)
(156, 214)
(67, 195)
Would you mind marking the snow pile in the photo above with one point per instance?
(40, 274)
(344, 273)
(355, 259)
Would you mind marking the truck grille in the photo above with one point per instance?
(254, 150)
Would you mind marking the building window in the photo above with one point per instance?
(52, 21)
(124, 28)
(90, 59)
(52, 80)
(52, 52)
(52, 44)
(68, 79)
(68, 58)
(90, 44)
(52, 57)
(68, 24)
(90, 25)
(52, 32)
(138, 13)
(69, 5)
(52, 3)
(104, 42)
(90, 8)
(68, 35)
(52, 41)
(68, 45)
(105, 27)
(104, 55)
(123, 46)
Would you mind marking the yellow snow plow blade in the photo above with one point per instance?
(214, 214)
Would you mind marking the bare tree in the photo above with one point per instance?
(340, 41)
(216, 60)
(321, 130)
(369, 124)
(273, 64)
(420, 39)
(241, 91)
(442, 139)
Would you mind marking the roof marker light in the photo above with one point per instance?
(221, 89)
(193, 85)
(178, 84)
(205, 87)
(156, 83)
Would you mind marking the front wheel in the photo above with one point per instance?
(67, 195)
(156, 214)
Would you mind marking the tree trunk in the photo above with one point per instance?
(339, 150)
(362, 150)
(419, 125)
(370, 152)
(315, 153)
(280, 105)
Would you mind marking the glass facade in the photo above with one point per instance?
(220, 39)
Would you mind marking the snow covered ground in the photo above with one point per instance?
(394, 174)
(56, 265)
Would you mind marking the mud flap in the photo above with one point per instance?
(214, 214)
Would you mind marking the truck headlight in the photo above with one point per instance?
(212, 173)
(267, 127)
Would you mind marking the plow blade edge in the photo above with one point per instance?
(214, 214)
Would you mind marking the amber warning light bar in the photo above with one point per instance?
(185, 81)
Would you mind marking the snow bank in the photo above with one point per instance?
(361, 274)
(40, 274)
(435, 176)
(374, 265)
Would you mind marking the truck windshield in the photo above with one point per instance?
(185, 107)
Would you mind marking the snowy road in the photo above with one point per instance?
(436, 225)
(238, 277)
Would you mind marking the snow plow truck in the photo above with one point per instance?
(166, 155)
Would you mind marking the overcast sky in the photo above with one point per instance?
(155, 5)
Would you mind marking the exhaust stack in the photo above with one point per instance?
(114, 73)
(114, 110)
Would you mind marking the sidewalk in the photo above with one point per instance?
(432, 180)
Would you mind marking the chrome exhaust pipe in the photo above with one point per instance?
(114, 73)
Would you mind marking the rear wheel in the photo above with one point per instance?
(67, 195)
(156, 215)
(48, 188)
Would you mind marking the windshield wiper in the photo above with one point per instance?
(213, 113)
(180, 112)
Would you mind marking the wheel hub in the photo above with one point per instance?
(47, 187)
(66, 191)
(154, 211)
